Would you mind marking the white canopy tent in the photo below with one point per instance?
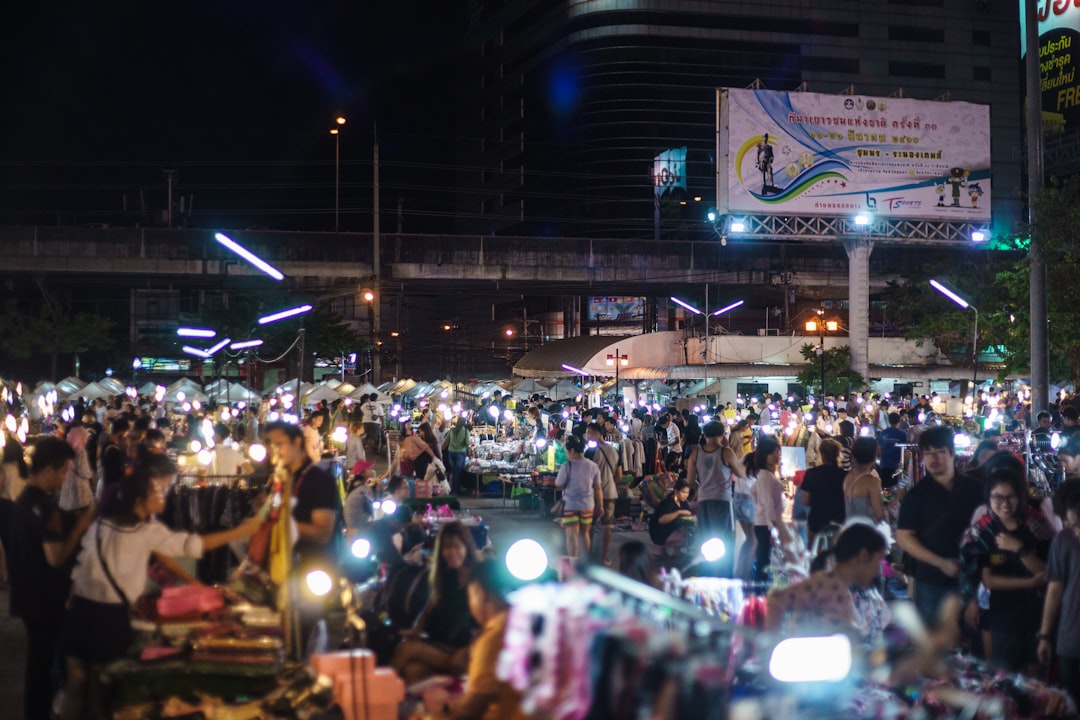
(148, 389)
(381, 397)
(70, 386)
(191, 391)
(321, 393)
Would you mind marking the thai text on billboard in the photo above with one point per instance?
(814, 154)
(1059, 36)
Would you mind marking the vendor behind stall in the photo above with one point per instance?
(665, 529)
(112, 573)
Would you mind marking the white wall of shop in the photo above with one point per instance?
(784, 350)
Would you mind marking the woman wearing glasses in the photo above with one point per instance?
(1006, 550)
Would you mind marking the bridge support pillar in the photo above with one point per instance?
(858, 249)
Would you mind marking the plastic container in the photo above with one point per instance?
(385, 691)
(344, 662)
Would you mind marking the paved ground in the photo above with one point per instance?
(12, 658)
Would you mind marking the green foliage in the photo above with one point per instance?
(52, 328)
(325, 331)
(998, 283)
(839, 377)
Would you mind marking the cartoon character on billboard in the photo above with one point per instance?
(940, 194)
(974, 192)
(957, 179)
(764, 163)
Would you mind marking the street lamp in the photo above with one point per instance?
(336, 132)
(292, 312)
(820, 325)
(975, 339)
(251, 257)
(618, 360)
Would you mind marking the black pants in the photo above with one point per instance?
(763, 556)
(420, 465)
(1069, 668)
(715, 520)
(41, 644)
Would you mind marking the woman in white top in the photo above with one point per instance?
(768, 494)
(112, 573)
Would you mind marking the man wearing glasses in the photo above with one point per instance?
(933, 517)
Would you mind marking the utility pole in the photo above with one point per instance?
(168, 212)
(1040, 343)
(376, 363)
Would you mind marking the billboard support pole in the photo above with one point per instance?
(1040, 366)
(858, 249)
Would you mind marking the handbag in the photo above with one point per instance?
(108, 573)
(557, 507)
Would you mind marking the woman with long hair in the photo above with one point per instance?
(768, 493)
(412, 447)
(112, 572)
(862, 486)
(439, 642)
(1006, 550)
(420, 465)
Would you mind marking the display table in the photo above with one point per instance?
(136, 683)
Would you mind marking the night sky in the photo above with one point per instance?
(238, 98)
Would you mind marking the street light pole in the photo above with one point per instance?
(975, 340)
(336, 132)
(617, 359)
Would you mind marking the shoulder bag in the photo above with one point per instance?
(108, 573)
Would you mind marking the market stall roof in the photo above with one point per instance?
(548, 359)
(191, 389)
(148, 388)
(320, 393)
(397, 388)
(529, 387)
(112, 385)
(70, 385)
(368, 389)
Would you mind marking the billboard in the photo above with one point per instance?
(669, 170)
(803, 153)
(1059, 30)
(616, 308)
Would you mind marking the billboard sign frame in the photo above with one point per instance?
(800, 153)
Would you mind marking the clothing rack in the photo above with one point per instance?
(644, 597)
(196, 480)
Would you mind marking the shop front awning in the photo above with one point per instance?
(547, 360)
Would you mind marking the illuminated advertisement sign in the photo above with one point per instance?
(813, 154)
(156, 364)
(669, 171)
(1059, 35)
(616, 308)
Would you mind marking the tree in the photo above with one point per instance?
(51, 327)
(997, 282)
(325, 331)
(839, 377)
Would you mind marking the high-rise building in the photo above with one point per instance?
(566, 102)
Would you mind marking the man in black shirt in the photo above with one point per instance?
(933, 516)
(318, 502)
(39, 566)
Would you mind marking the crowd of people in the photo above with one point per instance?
(78, 525)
